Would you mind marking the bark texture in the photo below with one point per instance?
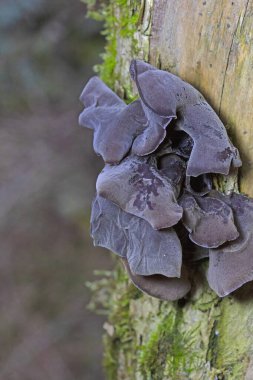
(210, 45)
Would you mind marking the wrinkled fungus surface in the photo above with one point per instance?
(155, 205)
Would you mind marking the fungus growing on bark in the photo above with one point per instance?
(211, 141)
(164, 288)
(114, 123)
(169, 97)
(107, 226)
(173, 167)
(147, 251)
(137, 187)
(200, 185)
(191, 251)
(181, 143)
(210, 221)
(160, 153)
(231, 265)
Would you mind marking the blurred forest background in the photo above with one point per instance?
(48, 171)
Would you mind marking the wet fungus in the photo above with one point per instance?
(155, 205)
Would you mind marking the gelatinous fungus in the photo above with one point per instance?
(147, 251)
(155, 206)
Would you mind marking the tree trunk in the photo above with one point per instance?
(209, 44)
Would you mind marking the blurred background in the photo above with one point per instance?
(47, 172)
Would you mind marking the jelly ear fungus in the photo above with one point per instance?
(155, 205)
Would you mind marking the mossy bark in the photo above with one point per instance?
(210, 45)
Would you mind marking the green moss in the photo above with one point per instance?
(152, 360)
(169, 352)
(112, 295)
(207, 338)
(122, 340)
(117, 24)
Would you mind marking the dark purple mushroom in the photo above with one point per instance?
(107, 227)
(176, 142)
(157, 105)
(173, 167)
(97, 94)
(118, 127)
(231, 265)
(148, 251)
(209, 220)
(211, 142)
(167, 97)
(168, 142)
(114, 123)
(197, 253)
(139, 188)
(181, 142)
(200, 185)
(164, 148)
(191, 252)
(153, 135)
(164, 288)
(162, 92)
(151, 251)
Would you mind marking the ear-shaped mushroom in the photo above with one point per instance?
(167, 97)
(106, 227)
(97, 94)
(162, 92)
(158, 104)
(147, 142)
(200, 185)
(211, 141)
(151, 251)
(102, 106)
(209, 221)
(164, 288)
(231, 265)
(115, 125)
(148, 251)
(139, 188)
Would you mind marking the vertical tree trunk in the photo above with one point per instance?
(209, 44)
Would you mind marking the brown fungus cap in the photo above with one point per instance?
(139, 188)
(210, 221)
(148, 251)
(164, 288)
(231, 265)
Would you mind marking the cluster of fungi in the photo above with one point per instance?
(155, 205)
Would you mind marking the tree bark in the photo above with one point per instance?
(209, 44)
